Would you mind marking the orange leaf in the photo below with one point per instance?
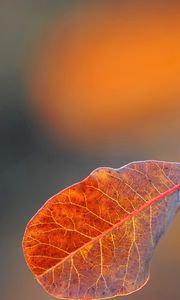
(96, 238)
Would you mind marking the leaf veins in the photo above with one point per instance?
(95, 239)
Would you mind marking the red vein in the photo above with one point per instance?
(129, 216)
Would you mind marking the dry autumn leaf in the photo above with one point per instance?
(96, 238)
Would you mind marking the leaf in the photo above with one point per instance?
(96, 238)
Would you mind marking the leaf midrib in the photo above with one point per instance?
(129, 216)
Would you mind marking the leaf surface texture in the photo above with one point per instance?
(95, 239)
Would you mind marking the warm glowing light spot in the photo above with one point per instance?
(106, 71)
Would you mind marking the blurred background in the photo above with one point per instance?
(83, 84)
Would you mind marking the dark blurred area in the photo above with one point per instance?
(37, 160)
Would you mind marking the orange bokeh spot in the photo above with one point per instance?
(103, 70)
